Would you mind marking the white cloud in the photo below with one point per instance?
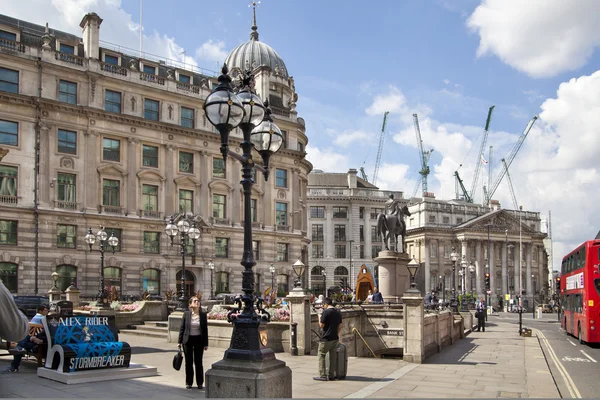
(327, 159)
(539, 37)
(392, 102)
(347, 138)
(212, 51)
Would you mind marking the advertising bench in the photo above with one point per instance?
(86, 349)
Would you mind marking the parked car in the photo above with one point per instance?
(29, 304)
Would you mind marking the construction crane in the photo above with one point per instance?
(459, 183)
(480, 155)
(510, 185)
(424, 155)
(510, 159)
(378, 159)
(363, 174)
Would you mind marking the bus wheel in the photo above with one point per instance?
(579, 333)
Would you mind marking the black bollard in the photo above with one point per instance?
(520, 319)
(294, 338)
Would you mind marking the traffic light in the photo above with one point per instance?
(558, 284)
(487, 281)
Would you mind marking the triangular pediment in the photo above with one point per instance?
(112, 169)
(499, 221)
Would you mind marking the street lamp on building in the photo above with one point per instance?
(211, 265)
(186, 231)
(113, 242)
(453, 302)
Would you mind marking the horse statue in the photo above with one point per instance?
(393, 224)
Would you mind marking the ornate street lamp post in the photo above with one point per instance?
(453, 302)
(211, 265)
(226, 110)
(472, 274)
(186, 231)
(272, 269)
(102, 238)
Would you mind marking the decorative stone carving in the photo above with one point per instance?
(281, 194)
(170, 108)
(46, 39)
(170, 74)
(93, 88)
(171, 137)
(45, 113)
(133, 101)
(133, 65)
(205, 143)
(92, 122)
(133, 130)
(67, 162)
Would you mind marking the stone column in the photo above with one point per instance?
(528, 257)
(492, 264)
(427, 265)
(504, 270)
(90, 175)
(414, 349)
(517, 273)
(132, 181)
(300, 313)
(479, 267)
(295, 206)
(394, 278)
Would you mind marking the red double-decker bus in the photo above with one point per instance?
(580, 292)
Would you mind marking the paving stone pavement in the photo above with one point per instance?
(493, 364)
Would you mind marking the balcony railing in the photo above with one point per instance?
(111, 209)
(282, 228)
(152, 78)
(280, 111)
(186, 87)
(68, 58)
(256, 225)
(67, 205)
(113, 69)
(151, 214)
(220, 221)
(11, 45)
(6, 199)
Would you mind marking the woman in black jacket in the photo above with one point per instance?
(193, 335)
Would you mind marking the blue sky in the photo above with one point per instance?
(447, 60)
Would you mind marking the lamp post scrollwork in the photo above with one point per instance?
(102, 238)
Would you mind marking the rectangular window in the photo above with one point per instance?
(222, 247)
(112, 101)
(111, 192)
(317, 233)
(339, 233)
(256, 249)
(447, 250)
(459, 221)
(67, 48)
(152, 242)
(282, 252)
(67, 142)
(9, 133)
(66, 187)
(361, 212)
(187, 117)
(446, 220)
(218, 168)
(8, 232)
(186, 162)
(374, 237)
(150, 197)
(117, 233)
(340, 251)
(375, 212)
(375, 250)
(340, 212)
(149, 69)
(281, 214)
(317, 250)
(149, 156)
(433, 249)
(186, 201)
(67, 92)
(361, 233)
(8, 35)
(285, 139)
(8, 183)
(432, 219)
(301, 147)
(151, 109)
(219, 203)
(254, 210)
(111, 149)
(112, 60)
(65, 236)
(317, 212)
(185, 79)
(9, 80)
(280, 178)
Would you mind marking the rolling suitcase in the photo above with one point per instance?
(341, 356)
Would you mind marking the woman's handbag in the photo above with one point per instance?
(177, 360)
(476, 316)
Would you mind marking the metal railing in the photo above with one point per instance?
(355, 331)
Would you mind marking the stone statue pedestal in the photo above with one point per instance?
(394, 278)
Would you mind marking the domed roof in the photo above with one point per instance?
(254, 54)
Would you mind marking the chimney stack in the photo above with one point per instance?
(91, 35)
(352, 178)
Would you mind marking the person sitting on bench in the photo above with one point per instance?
(28, 343)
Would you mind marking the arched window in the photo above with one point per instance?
(317, 280)
(340, 276)
(151, 281)
(67, 274)
(282, 285)
(112, 279)
(190, 283)
(8, 276)
(221, 282)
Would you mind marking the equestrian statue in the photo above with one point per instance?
(392, 223)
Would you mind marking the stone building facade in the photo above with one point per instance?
(342, 225)
(97, 137)
(437, 226)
